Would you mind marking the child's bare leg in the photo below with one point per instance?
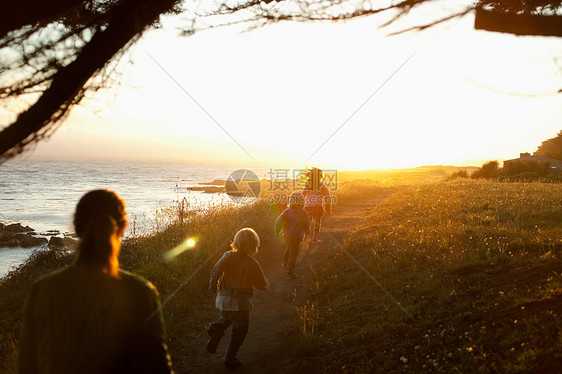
(316, 224)
(285, 257)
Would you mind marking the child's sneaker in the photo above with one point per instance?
(232, 364)
(291, 275)
(214, 340)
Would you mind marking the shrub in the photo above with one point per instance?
(488, 170)
(528, 167)
(458, 174)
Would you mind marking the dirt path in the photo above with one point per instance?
(265, 348)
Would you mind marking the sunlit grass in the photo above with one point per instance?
(348, 191)
(477, 263)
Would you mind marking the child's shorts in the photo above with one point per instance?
(315, 211)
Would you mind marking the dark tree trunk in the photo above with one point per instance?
(129, 21)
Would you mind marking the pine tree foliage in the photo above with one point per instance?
(551, 148)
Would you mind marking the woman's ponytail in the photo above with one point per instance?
(100, 221)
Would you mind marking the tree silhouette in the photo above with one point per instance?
(551, 148)
(488, 170)
(54, 52)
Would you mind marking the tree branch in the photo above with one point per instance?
(69, 81)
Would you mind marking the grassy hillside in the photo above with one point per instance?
(180, 276)
(462, 277)
(421, 174)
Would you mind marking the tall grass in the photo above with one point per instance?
(181, 277)
(151, 250)
(359, 189)
(475, 263)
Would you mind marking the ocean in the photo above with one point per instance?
(42, 194)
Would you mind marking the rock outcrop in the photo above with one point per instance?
(14, 228)
(25, 240)
(16, 235)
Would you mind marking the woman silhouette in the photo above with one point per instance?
(92, 317)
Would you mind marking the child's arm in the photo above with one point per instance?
(327, 197)
(279, 223)
(257, 278)
(306, 222)
(216, 274)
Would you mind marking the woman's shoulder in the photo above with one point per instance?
(135, 281)
(56, 276)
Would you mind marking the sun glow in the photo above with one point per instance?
(187, 244)
(307, 94)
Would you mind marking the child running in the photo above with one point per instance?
(236, 274)
(318, 200)
(295, 225)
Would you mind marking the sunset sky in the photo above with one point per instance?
(343, 96)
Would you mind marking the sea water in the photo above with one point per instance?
(43, 194)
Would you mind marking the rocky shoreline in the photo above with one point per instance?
(216, 186)
(16, 235)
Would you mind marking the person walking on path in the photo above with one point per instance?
(91, 316)
(318, 200)
(295, 224)
(235, 276)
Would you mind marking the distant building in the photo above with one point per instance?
(555, 165)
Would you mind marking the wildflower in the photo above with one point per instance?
(469, 349)
(403, 359)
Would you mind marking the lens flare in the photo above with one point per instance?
(187, 244)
